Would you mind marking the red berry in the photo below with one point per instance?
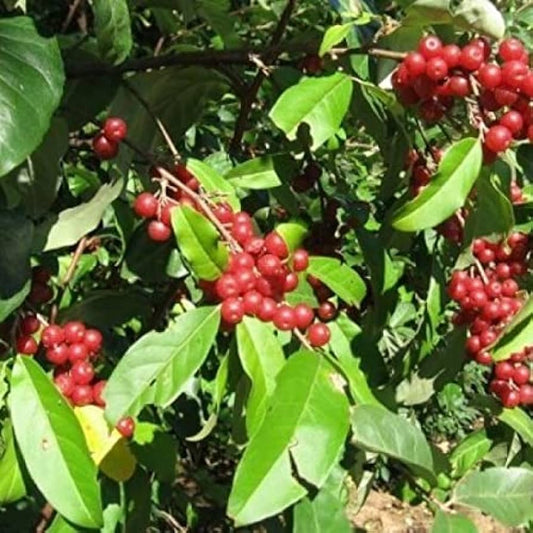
(27, 345)
(478, 298)
(498, 138)
(82, 395)
(227, 286)
(304, 316)
(74, 332)
(490, 76)
(484, 358)
(267, 310)
(145, 205)
(245, 278)
(472, 57)
(510, 398)
(284, 318)
(527, 85)
(526, 394)
(513, 121)
(504, 96)
(436, 68)
(503, 270)
(98, 389)
(64, 383)
(232, 310)
(494, 289)
(415, 64)
(126, 427)
(509, 288)
(158, 231)
(40, 274)
(254, 246)
(459, 86)
(326, 311)
(115, 129)
(52, 335)
(504, 370)
(473, 344)
(93, 340)
(104, 148)
(430, 46)
(318, 334)
(240, 260)
(521, 374)
(276, 245)
(224, 212)
(291, 282)
(40, 294)
(511, 49)
(451, 53)
(242, 232)
(78, 352)
(300, 260)
(514, 73)
(30, 324)
(58, 355)
(269, 265)
(82, 372)
(252, 301)
(487, 338)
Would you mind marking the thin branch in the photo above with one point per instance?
(47, 512)
(250, 94)
(71, 12)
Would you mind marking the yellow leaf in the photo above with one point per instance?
(108, 448)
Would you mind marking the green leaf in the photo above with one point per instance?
(452, 523)
(31, 76)
(107, 308)
(16, 232)
(213, 182)
(350, 364)
(520, 421)
(480, 16)
(12, 486)
(196, 87)
(517, 335)
(447, 191)
(293, 232)
(321, 103)
(73, 223)
(469, 452)
(504, 493)
(9, 304)
(333, 36)
(425, 12)
(261, 358)
(260, 173)
(340, 278)
(493, 213)
(217, 13)
(53, 445)
(199, 242)
(325, 512)
(378, 430)
(113, 29)
(305, 426)
(39, 177)
(156, 368)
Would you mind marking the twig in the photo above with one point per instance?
(154, 117)
(47, 512)
(71, 12)
(303, 340)
(250, 94)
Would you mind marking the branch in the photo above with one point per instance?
(250, 94)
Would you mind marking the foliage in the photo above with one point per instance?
(248, 254)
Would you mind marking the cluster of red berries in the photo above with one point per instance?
(489, 301)
(157, 208)
(106, 142)
(71, 349)
(258, 278)
(435, 76)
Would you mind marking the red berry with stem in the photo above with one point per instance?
(115, 129)
(104, 148)
(82, 395)
(232, 310)
(93, 339)
(430, 46)
(158, 231)
(304, 316)
(504, 370)
(300, 260)
(276, 245)
(27, 345)
(284, 318)
(58, 355)
(74, 332)
(318, 335)
(498, 138)
(145, 205)
(126, 427)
